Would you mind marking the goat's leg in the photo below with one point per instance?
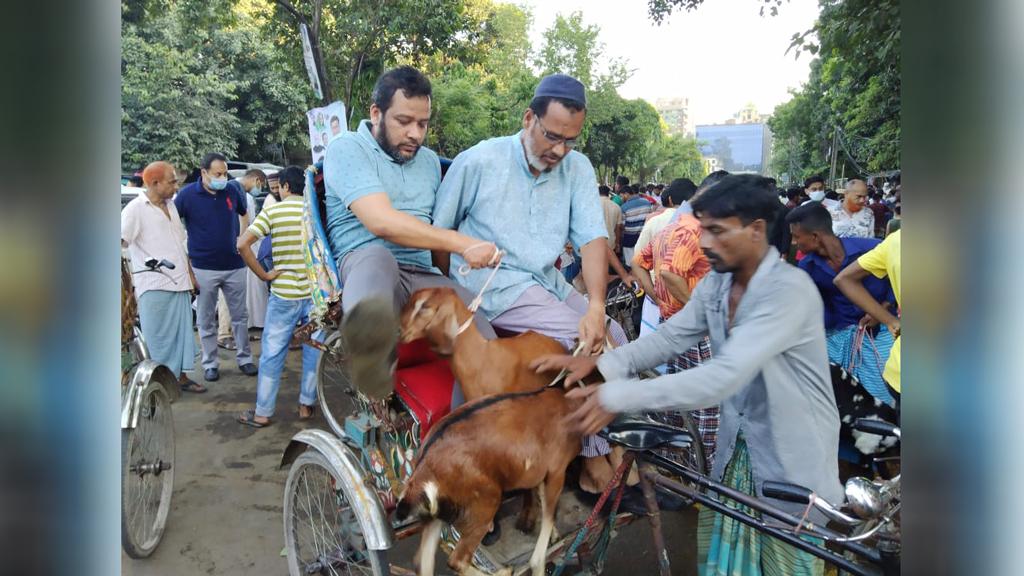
(550, 490)
(527, 520)
(425, 555)
(473, 526)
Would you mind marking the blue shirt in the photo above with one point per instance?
(211, 221)
(489, 193)
(634, 212)
(356, 166)
(839, 311)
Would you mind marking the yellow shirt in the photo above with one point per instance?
(884, 261)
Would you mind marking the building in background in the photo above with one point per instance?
(676, 113)
(743, 144)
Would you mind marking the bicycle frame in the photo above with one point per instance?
(648, 460)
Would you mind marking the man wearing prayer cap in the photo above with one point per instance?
(530, 193)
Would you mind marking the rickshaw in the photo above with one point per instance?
(147, 429)
(343, 483)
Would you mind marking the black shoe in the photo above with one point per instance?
(249, 369)
(370, 335)
(492, 536)
(211, 375)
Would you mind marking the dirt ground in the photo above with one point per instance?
(226, 514)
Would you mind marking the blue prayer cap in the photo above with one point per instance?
(562, 86)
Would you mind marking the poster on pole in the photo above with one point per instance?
(325, 123)
(307, 57)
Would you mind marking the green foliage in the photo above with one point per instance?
(620, 133)
(572, 48)
(658, 10)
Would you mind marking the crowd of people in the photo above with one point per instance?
(745, 338)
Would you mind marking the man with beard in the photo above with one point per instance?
(531, 193)
(769, 371)
(380, 185)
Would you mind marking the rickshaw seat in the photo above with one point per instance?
(643, 433)
(424, 382)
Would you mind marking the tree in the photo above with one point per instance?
(658, 10)
(572, 48)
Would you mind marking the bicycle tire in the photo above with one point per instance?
(147, 471)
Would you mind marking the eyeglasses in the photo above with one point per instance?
(555, 138)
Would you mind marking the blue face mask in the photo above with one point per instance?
(218, 183)
(256, 190)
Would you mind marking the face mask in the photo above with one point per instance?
(256, 190)
(218, 183)
(817, 195)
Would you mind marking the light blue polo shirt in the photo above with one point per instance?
(489, 193)
(356, 166)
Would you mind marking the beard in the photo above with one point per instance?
(394, 151)
(717, 264)
(533, 159)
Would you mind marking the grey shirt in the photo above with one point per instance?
(769, 371)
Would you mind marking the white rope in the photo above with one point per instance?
(465, 269)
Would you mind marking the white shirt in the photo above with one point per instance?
(651, 228)
(150, 233)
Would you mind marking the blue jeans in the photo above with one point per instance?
(282, 316)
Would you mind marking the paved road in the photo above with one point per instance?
(226, 516)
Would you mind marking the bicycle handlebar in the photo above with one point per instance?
(879, 427)
(800, 495)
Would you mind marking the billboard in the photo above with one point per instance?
(324, 124)
(736, 147)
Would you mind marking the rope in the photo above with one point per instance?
(465, 269)
(565, 371)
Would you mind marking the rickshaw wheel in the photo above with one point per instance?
(333, 385)
(322, 533)
(147, 474)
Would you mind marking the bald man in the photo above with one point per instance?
(151, 228)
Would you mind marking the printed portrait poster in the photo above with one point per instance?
(324, 124)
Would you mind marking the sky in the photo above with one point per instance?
(721, 56)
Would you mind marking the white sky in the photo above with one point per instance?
(722, 55)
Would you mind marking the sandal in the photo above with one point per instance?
(189, 385)
(248, 418)
(227, 344)
(312, 412)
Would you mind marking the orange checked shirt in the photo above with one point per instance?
(676, 249)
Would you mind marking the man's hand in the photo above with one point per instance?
(628, 280)
(592, 329)
(894, 328)
(590, 417)
(481, 254)
(578, 367)
(272, 275)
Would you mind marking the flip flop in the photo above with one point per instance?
(248, 418)
(192, 386)
(312, 412)
(227, 344)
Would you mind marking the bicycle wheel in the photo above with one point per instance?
(322, 533)
(147, 474)
(333, 385)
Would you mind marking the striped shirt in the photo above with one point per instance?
(675, 249)
(634, 212)
(283, 222)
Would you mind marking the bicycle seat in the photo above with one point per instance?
(643, 433)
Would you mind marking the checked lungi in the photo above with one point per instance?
(706, 419)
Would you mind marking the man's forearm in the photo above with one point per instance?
(614, 261)
(406, 230)
(595, 270)
(250, 260)
(850, 283)
(645, 279)
(676, 286)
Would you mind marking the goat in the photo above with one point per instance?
(482, 367)
(500, 443)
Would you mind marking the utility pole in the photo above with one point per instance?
(835, 146)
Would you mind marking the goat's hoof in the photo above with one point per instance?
(493, 536)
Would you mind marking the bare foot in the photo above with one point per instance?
(596, 474)
(615, 459)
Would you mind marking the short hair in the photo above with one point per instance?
(622, 180)
(679, 191)
(831, 195)
(748, 197)
(814, 179)
(258, 174)
(540, 104)
(603, 190)
(153, 172)
(659, 186)
(294, 177)
(210, 158)
(411, 81)
(812, 217)
(335, 119)
(136, 180)
(794, 192)
(712, 179)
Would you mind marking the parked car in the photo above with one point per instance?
(128, 193)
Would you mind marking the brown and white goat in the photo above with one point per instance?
(482, 367)
(505, 442)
